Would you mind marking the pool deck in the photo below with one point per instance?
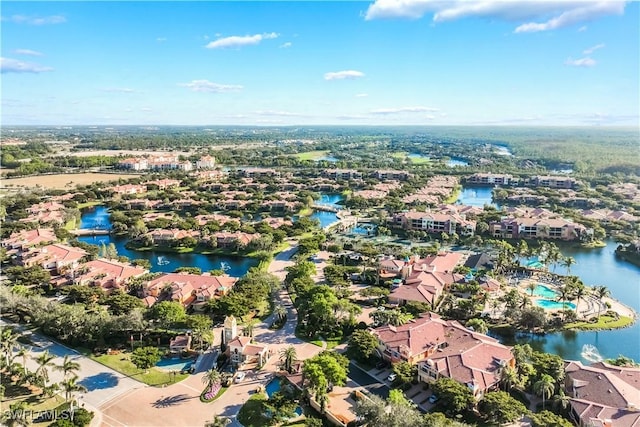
(586, 307)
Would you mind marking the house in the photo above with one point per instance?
(164, 184)
(435, 223)
(602, 394)
(25, 239)
(107, 274)
(129, 189)
(470, 358)
(164, 236)
(388, 175)
(553, 181)
(180, 343)
(188, 289)
(55, 257)
(234, 240)
(134, 163)
(424, 287)
(240, 349)
(342, 174)
(206, 162)
(45, 207)
(537, 228)
(258, 172)
(491, 179)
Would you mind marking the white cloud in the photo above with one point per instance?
(146, 109)
(342, 75)
(286, 45)
(361, 95)
(161, 39)
(593, 49)
(9, 65)
(238, 41)
(401, 110)
(36, 20)
(582, 29)
(27, 52)
(580, 62)
(534, 15)
(207, 86)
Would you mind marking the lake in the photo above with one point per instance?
(327, 199)
(454, 162)
(476, 196)
(161, 262)
(596, 267)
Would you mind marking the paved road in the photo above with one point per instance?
(102, 383)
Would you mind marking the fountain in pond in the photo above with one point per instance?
(162, 260)
(224, 266)
(591, 354)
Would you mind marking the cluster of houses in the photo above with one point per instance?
(165, 162)
(71, 265)
(46, 212)
(547, 181)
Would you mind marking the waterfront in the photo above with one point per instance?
(161, 261)
(597, 266)
(476, 196)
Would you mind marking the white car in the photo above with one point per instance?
(391, 377)
(240, 376)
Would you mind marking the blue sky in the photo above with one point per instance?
(386, 62)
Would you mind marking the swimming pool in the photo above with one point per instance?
(175, 364)
(544, 291)
(555, 305)
(274, 386)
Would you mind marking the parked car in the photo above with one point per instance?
(433, 398)
(240, 376)
(392, 377)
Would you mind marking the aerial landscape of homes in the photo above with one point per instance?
(391, 213)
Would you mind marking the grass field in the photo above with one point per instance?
(311, 155)
(153, 377)
(62, 181)
(604, 322)
(404, 156)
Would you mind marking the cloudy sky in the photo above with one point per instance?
(445, 62)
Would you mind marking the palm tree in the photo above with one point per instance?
(580, 292)
(288, 358)
(544, 387)
(249, 326)
(568, 262)
(70, 386)
(280, 311)
(601, 293)
(561, 400)
(8, 339)
(532, 286)
(68, 366)
(508, 377)
(211, 377)
(16, 415)
(563, 295)
(44, 361)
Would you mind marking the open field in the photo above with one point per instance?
(62, 181)
(153, 377)
(312, 155)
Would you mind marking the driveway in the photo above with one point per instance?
(371, 384)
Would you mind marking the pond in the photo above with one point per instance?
(161, 261)
(476, 196)
(274, 386)
(328, 199)
(455, 162)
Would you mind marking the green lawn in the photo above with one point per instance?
(312, 155)
(70, 225)
(89, 204)
(605, 322)
(153, 377)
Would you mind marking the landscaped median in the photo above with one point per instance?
(121, 362)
